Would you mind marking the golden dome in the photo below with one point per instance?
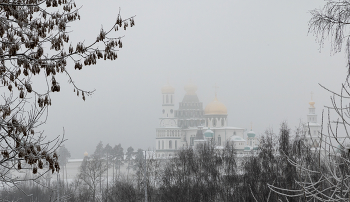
(312, 103)
(215, 107)
(190, 88)
(168, 89)
(86, 154)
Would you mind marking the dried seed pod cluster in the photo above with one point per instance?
(44, 101)
(55, 85)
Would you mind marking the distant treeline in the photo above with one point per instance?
(201, 174)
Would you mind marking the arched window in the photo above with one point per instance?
(175, 144)
(167, 99)
(214, 122)
(158, 144)
(162, 144)
(170, 144)
(219, 141)
(171, 99)
(222, 122)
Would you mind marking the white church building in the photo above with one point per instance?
(312, 128)
(190, 124)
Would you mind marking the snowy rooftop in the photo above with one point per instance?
(216, 128)
(75, 160)
(236, 138)
(312, 124)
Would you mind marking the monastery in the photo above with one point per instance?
(190, 124)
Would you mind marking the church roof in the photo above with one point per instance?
(190, 88)
(312, 124)
(168, 89)
(190, 98)
(215, 107)
(251, 134)
(199, 135)
(237, 138)
(209, 133)
(247, 148)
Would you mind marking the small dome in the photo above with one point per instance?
(251, 134)
(209, 133)
(215, 107)
(168, 89)
(86, 154)
(190, 88)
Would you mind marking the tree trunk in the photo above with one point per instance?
(94, 193)
(63, 180)
(66, 175)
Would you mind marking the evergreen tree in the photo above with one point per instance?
(99, 150)
(63, 156)
(129, 156)
(118, 155)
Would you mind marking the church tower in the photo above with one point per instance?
(312, 117)
(168, 119)
(312, 128)
(168, 135)
(168, 101)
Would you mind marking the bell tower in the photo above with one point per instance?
(312, 117)
(168, 101)
(312, 128)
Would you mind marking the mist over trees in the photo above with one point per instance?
(201, 174)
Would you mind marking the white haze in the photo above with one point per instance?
(258, 52)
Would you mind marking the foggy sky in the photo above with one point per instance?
(259, 53)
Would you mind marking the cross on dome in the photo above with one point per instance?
(216, 88)
(312, 103)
